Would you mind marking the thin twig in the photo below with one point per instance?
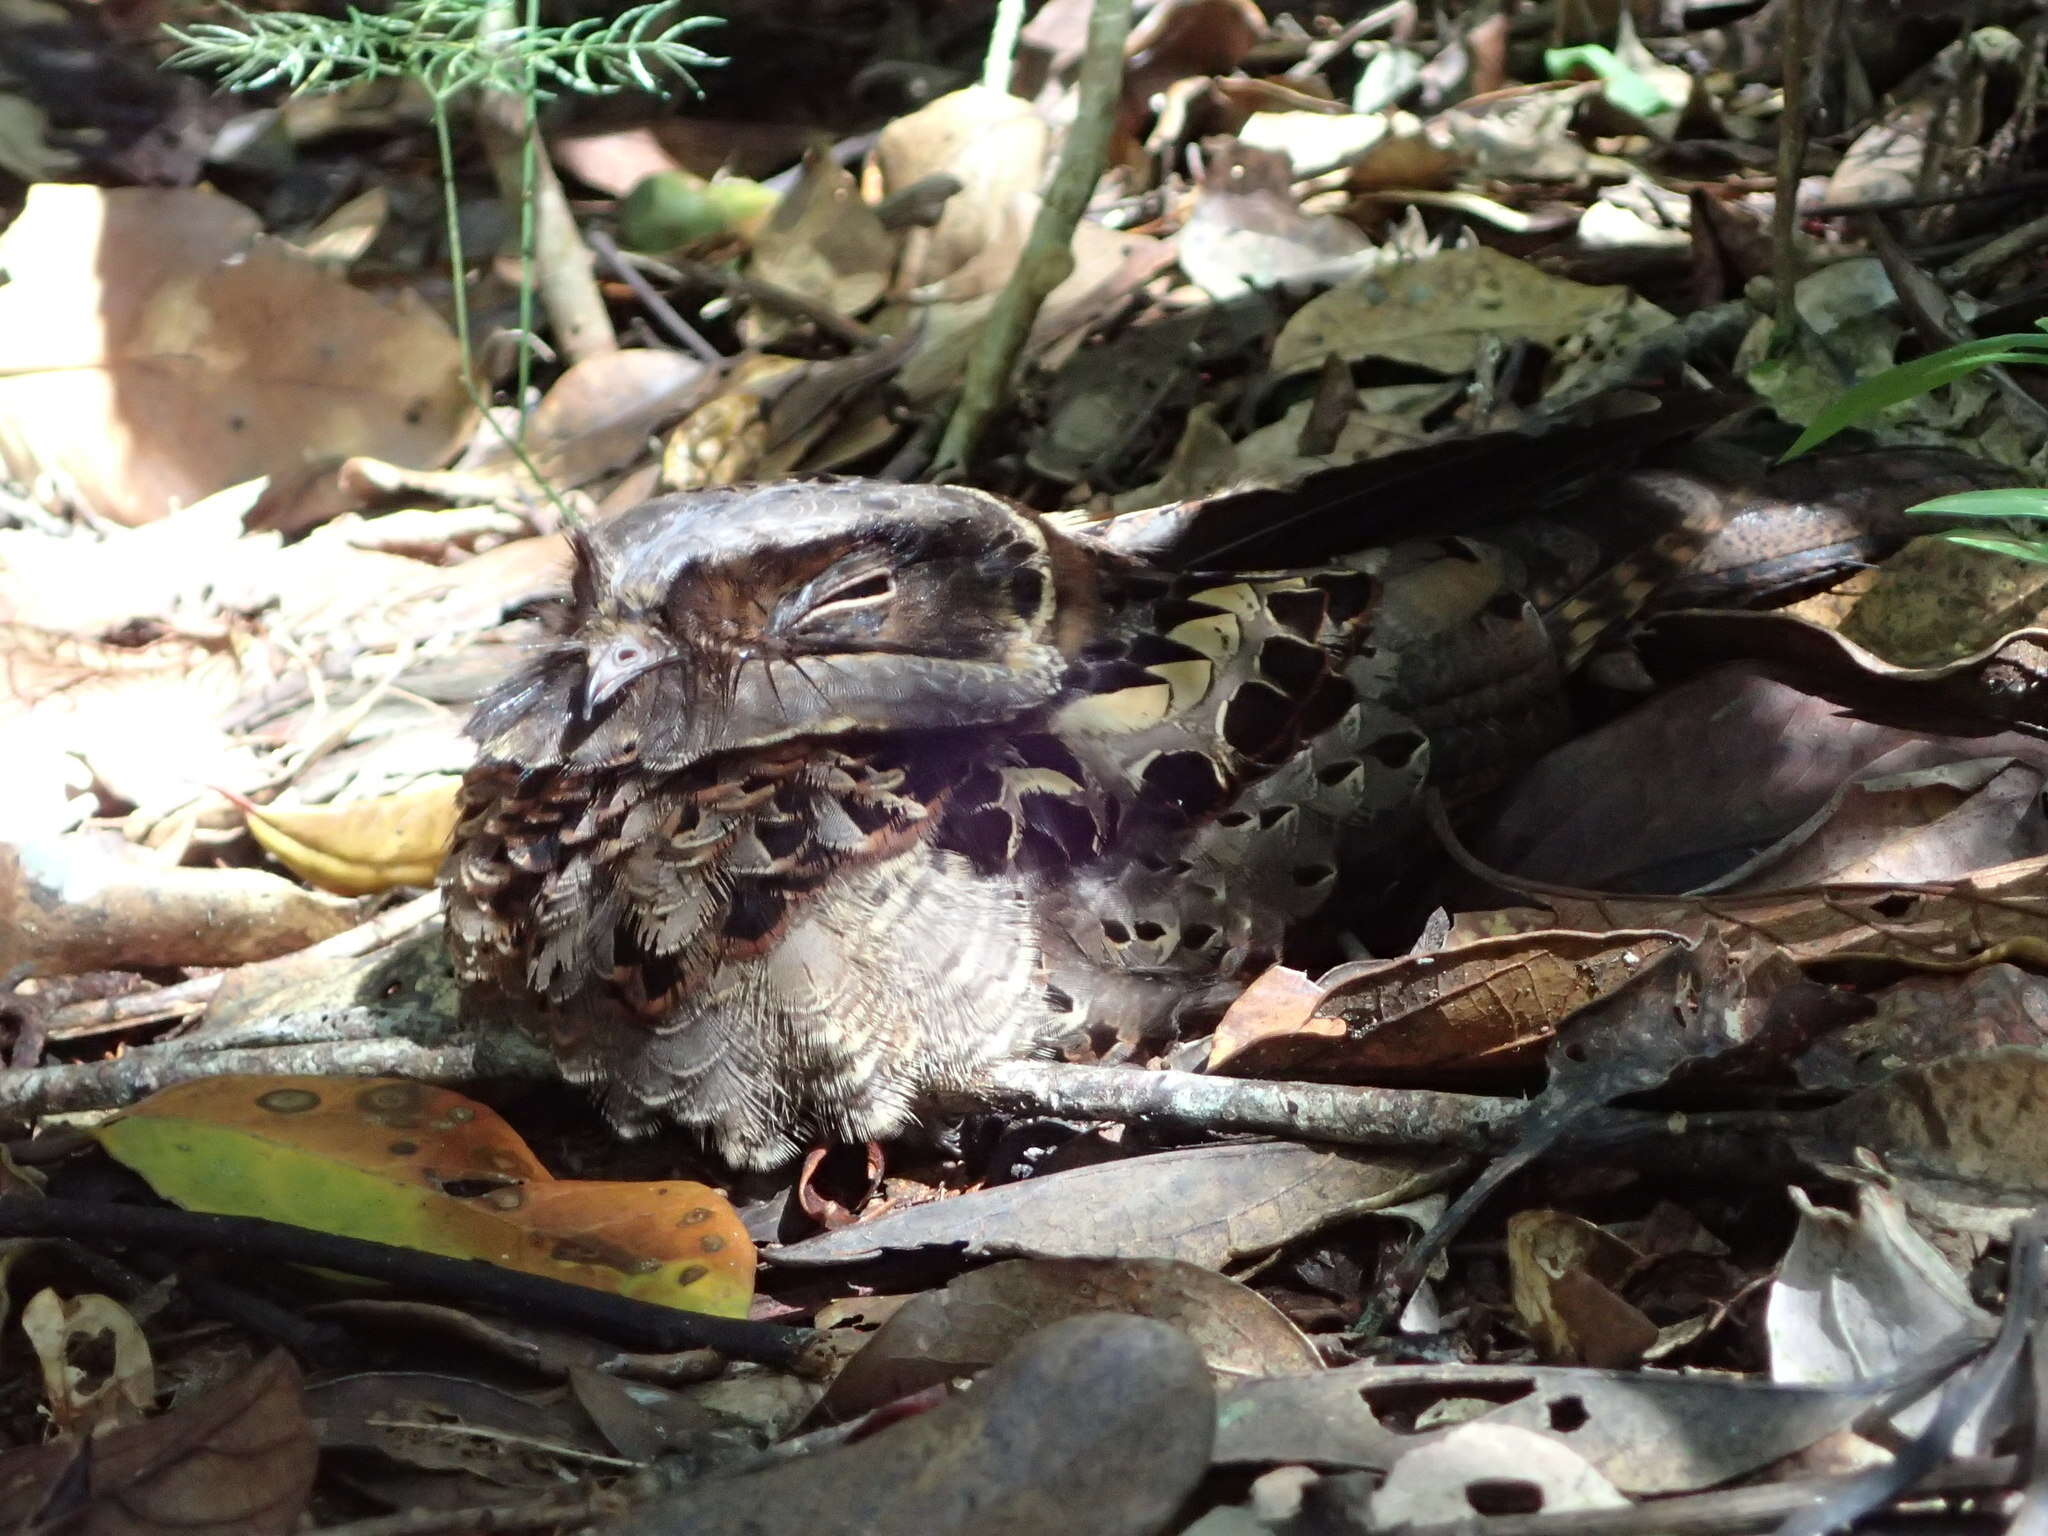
(1995, 253)
(536, 1298)
(1191, 1101)
(1319, 54)
(1791, 161)
(577, 318)
(756, 291)
(1048, 255)
(137, 1073)
(665, 314)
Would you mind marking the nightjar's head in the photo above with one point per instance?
(746, 616)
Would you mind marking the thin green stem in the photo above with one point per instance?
(458, 265)
(529, 173)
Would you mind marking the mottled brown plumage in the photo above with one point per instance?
(821, 794)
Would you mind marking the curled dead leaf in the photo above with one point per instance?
(360, 847)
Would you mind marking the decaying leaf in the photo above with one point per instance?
(85, 1402)
(1964, 1138)
(1443, 1482)
(1202, 1205)
(377, 1158)
(1492, 1003)
(1995, 915)
(1920, 1019)
(1862, 1297)
(1248, 229)
(995, 145)
(1099, 1423)
(1437, 313)
(477, 1437)
(235, 1461)
(1618, 1420)
(981, 1317)
(1562, 1272)
(824, 242)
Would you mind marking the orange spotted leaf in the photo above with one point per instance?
(400, 1162)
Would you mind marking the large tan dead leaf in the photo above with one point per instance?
(596, 418)
(1108, 264)
(996, 145)
(1437, 313)
(1486, 1004)
(824, 242)
(159, 347)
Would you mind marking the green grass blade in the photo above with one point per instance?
(1906, 381)
(2017, 504)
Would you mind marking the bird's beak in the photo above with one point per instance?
(615, 664)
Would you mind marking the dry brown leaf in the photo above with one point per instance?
(1924, 1018)
(1521, 133)
(69, 904)
(1096, 1424)
(613, 160)
(982, 1316)
(1995, 915)
(597, 417)
(236, 1461)
(1491, 1003)
(1964, 1138)
(1934, 823)
(1560, 1272)
(1108, 264)
(341, 238)
(1247, 229)
(360, 847)
(161, 348)
(996, 146)
(1189, 37)
(824, 242)
(1437, 313)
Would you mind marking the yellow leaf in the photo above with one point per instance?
(376, 1158)
(360, 847)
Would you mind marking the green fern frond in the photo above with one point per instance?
(441, 43)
